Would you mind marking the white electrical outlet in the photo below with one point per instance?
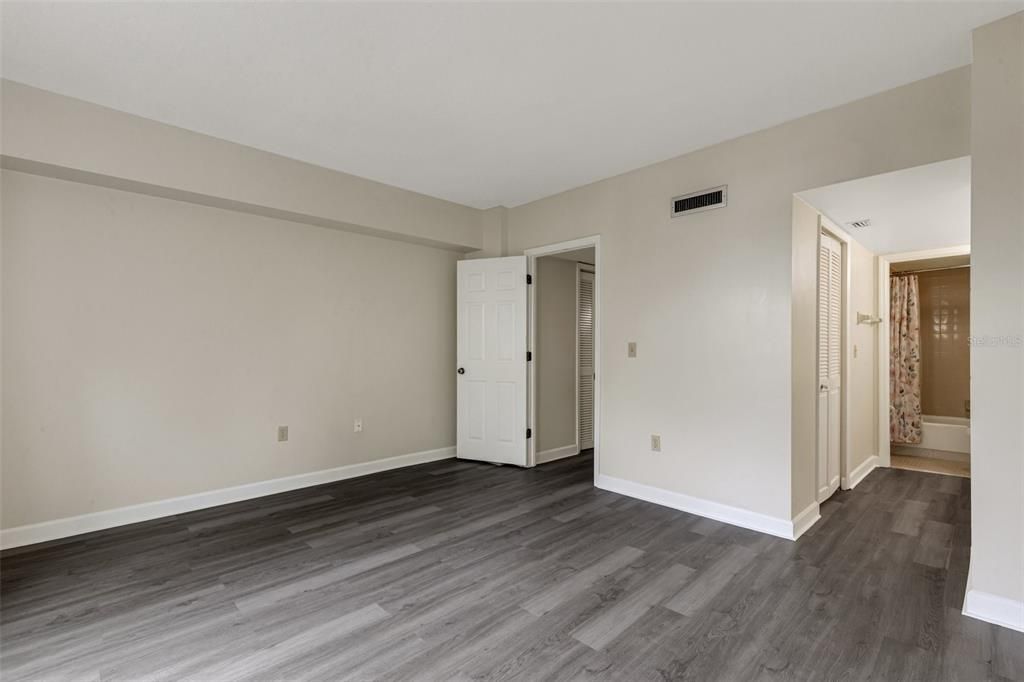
(357, 425)
(655, 442)
(282, 434)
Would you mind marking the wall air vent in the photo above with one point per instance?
(704, 200)
(857, 224)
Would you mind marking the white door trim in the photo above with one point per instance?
(884, 269)
(531, 377)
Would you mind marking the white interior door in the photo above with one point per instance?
(830, 279)
(585, 356)
(491, 381)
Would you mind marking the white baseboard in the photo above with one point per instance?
(557, 453)
(805, 519)
(110, 518)
(857, 475)
(992, 608)
(735, 516)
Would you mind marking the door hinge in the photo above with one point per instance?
(529, 356)
(529, 279)
(529, 433)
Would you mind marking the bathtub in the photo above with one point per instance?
(949, 434)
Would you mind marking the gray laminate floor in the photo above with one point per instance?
(463, 570)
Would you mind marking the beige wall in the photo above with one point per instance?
(51, 134)
(493, 234)
(556, 353)
(945, 349)
(711, 298)
(803, 464)
(151, 348)
(863, 368)
(718, 301)
(862, 371)
(997, 312)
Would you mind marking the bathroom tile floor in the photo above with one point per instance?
(931, 465)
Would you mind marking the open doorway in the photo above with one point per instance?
(564, 388)
(564, 354)
(928, 309)
(906, 356)
(505, 330)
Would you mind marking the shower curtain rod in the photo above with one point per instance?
(914, 272)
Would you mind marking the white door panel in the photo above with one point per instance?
(491, 352)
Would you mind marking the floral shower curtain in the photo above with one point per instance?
(904, 360)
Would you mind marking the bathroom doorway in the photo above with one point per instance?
(906, 358)
(930, 361)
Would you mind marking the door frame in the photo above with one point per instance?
(884, 270)
(580, 269)
(846, 353)
(531, 315)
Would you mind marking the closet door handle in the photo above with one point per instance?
(461, 370)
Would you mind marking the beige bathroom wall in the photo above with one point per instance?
(945, 297)
(152, 347)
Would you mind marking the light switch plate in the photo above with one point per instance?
(357, 425)
(282, 434)
(655, 442)
(631, 349)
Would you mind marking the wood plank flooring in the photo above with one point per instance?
(458, 570)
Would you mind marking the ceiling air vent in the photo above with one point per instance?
(704, 200)
(865, 222)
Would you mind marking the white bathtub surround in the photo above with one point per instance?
(945, 434)
(944, 455)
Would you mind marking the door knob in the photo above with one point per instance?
(462, 370)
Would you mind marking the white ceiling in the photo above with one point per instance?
(488, 103)
(928, 207)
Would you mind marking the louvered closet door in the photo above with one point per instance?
(585, 335)
(830, 309)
